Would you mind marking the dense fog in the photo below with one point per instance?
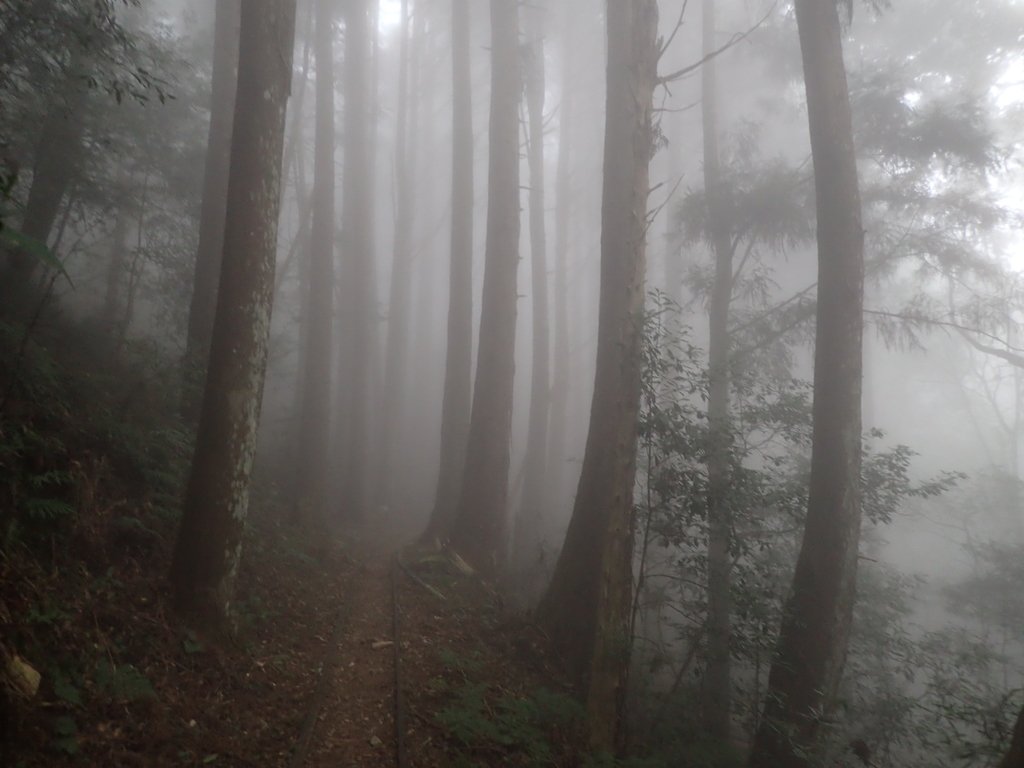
(381, 288)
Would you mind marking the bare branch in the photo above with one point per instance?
(739, 37)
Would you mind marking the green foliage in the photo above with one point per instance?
(480, 721)
(66, 690)
(65, 736)
(531, 729)
(123, 683)
(12, 240)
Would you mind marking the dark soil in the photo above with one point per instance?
(125, 683)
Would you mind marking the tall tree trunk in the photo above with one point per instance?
(672, 262)
(203, 304)
(359, 308)
(315, 419)
(558, 422)
(209, 544)
(535, 479)
(479, 527)
(111, 312)
(816, 621)
(458, 373)
(1015, 757)
(400, 300)
(586, 609)
(717, 689)
(57, 157)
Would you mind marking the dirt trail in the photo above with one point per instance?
(356, 725)
(455, 637)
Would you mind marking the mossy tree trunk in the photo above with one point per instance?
(209, 543)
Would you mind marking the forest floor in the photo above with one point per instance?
(92, 461)
(308, 680)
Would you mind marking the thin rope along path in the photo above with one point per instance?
(400, 755)
(326, 674)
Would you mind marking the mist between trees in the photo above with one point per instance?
(695, 328)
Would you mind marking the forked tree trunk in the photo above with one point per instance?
(315, 418)
(479, 528)
(203, 304)
(717, 689)
(535, 479)
(586, 609)
(359, 306)
(815, 631)
(400, 298)
(209, 544)
(458, 373)
(1015, 757)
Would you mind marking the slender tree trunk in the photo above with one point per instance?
(212, 215)
(458, 373)
(315, 419)
(535, 480)
(479, 527)
(673, 257)
(717, 689)
(812, 645)
(559, 418)
(1015, 757)
(399, 304)
(209, 544)
(587, 607)
(110, 314)
(293, 155)
(359, 308)
(57, 157)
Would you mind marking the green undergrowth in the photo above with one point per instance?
(93, 459)
(483, 721)
(81, 440)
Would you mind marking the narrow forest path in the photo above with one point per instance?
(461, 658)
(355, 724)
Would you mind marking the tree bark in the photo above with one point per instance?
(315, 418)
(110, 314)
(559, 416)
(812, 645)
(1015, 757)
(209, 543)
(57, 158)
(203, 304)
(359, 307)
(400, 300)
(716, 693)
(458, 373)
(479, 527)
(586, 609)
(535, 479)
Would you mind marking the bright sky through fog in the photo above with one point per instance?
(390, 13)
